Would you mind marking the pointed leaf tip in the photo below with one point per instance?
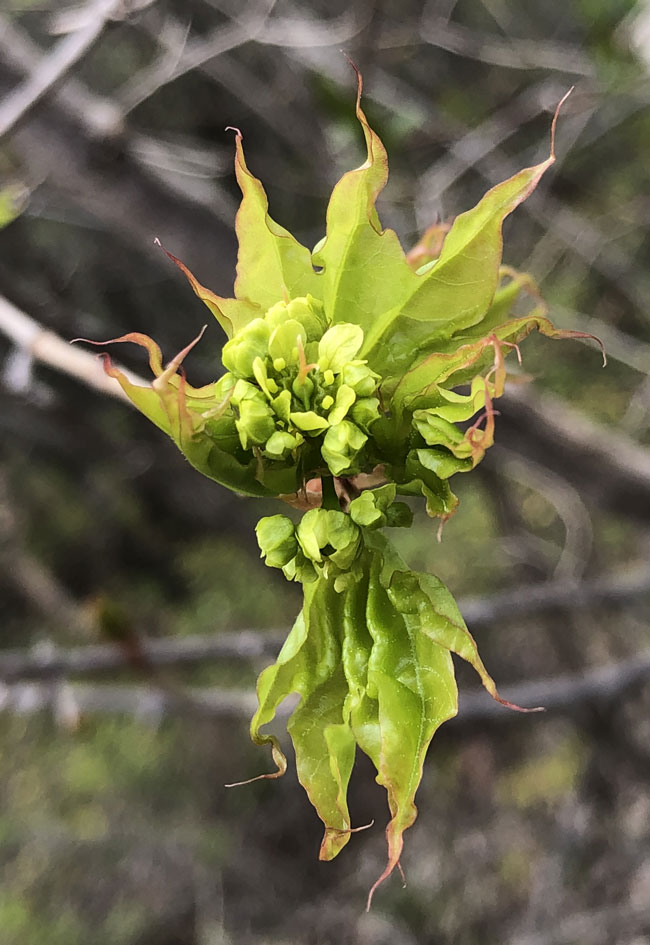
(232, 314)
(555, 118)
(271, 264)
(515, 707)
(278, 757)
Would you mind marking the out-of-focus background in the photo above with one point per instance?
(115, 826)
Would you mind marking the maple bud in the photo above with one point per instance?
(341, 446)
(240, 352)
(276, 536)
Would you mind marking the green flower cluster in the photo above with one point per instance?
(327, 542)
(293, 382)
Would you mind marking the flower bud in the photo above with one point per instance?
(283, 342)
(339, 345)
(267, 383)
(282, 405)
(364, 511)
(360, 378)
(310, 313)
(345, 397)
(255, 423)
(321, 529)
(341, 445)
(365, 412)
(251, 342)
(300, 569)
(276, 537)
(309, 421)
(303, 388)
(371, 506)
(244, 390)
(280, 444)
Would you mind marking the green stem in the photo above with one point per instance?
(330, 499)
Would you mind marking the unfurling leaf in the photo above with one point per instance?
(371, 663)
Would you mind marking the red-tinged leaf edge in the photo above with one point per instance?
(232, 314)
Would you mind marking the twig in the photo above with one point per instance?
(601, 459)
(48, 663)
(560, 432)
(144, 702)
(510, 52)
(102, 118)
(559, 693)
(47, 347)
(194, 54)
(54, 67)
(249, 645)
(555, 693)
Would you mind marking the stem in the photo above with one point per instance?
(330, 499)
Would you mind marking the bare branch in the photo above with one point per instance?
(45, 346)
(176, 62)
(560, 693)
(557, 435)
(509, 52)
(556, 694)
(248, 645)
(56, 65)
(549, 428)
(140, 202)
(50, 663)
(68, 703)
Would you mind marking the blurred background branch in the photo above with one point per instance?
(113, 825)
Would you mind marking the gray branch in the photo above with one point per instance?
(70, 702)
(56, 65)
(42, 663)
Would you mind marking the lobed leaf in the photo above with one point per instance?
(232, 314)
(310, 664)
(271, 264)
(365, 272)
(412, 679)
(183, 413)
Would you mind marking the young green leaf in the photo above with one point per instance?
(412, 680)
(271, 265)
(310, 664)
(365, 271)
